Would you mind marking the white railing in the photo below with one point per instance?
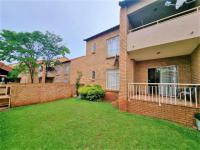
(196, 9)
(168, 93)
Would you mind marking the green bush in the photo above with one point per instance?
(91, 92)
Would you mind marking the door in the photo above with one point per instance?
(169, 75)
(153, 77)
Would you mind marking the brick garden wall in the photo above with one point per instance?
(179, 114)
(26, 94)
(111, 96)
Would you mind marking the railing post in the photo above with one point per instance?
(133, 92)
(139, 91)
(166, 99)
(175, 94)
(196, 96)
(190, 97)
(185, 95)
(162, 92)
(128, 91)
(152, 94)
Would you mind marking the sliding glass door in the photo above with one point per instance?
(168, 74)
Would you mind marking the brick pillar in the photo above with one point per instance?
(123, 53)
(195, 68)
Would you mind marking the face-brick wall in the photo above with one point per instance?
(26, 94)
(97, 61)
(180, 114)
(183, 63)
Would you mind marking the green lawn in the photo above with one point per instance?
(78, 124)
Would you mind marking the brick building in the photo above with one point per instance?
(4, 70)
(57, 74)
(151, 59)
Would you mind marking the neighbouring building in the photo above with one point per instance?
(57, 74)
(4, 70)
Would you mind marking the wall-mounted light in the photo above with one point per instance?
(158, 53)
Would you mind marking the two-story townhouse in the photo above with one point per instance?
(160, 42)
(160, 58)
(101, 62)
(157, 72)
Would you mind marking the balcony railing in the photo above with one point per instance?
(196, 9)
(168, 93)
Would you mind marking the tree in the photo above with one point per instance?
(51, 48)
(28, 47)
(16, 71)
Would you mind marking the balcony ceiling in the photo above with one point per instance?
(155, 11)
(180, 48)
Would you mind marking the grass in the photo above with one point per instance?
(78, 124)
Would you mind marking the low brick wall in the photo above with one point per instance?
(26, 94)
(111, 96)
(180, 114)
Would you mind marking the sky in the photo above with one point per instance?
(73, 20)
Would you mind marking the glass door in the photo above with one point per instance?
(169, 75)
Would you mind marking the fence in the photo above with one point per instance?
(26, 94)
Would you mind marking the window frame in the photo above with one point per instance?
(117, 80)
(94, 48)
(117, 51)
(93, 75)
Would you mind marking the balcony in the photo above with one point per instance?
(166, 93)
(179, 31)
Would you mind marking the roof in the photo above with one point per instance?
(126, 3)
(102, 33)
(61, 60)
(77, 58)
(5, 67)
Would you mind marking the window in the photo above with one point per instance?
(66, 69)
(93, 75)
(94, 47)
(112, 79)
(113, 46)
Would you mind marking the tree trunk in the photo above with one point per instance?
(32, 79)
(31, 75)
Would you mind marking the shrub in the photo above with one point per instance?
(91, 92)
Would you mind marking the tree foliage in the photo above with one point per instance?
(16, 71)
(28, 47)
